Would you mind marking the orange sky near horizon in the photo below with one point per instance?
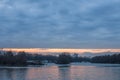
(55, 50)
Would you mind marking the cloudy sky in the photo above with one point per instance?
(60, 23)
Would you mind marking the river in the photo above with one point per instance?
(77, 71)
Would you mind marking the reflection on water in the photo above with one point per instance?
(13, 74)
(74, 72)
(64, 73)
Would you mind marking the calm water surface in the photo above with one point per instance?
(62, 72)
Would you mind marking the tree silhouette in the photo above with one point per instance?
(64, 58)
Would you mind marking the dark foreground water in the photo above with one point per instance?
(62, 72)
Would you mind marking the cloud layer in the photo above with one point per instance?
(60, 24)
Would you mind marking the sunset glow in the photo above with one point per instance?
(47, 50)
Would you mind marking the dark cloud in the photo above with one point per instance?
(61, 24)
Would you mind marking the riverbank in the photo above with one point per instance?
(64, 65)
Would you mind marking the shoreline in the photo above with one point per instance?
(60, 65)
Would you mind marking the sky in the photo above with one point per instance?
(60, 24)
(58, 50)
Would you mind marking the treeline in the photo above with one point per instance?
(115, 58)
(22, 58)
(66, 58)
(9, 58)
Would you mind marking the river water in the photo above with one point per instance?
(62, 72)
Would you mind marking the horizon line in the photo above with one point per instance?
(59, 50)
